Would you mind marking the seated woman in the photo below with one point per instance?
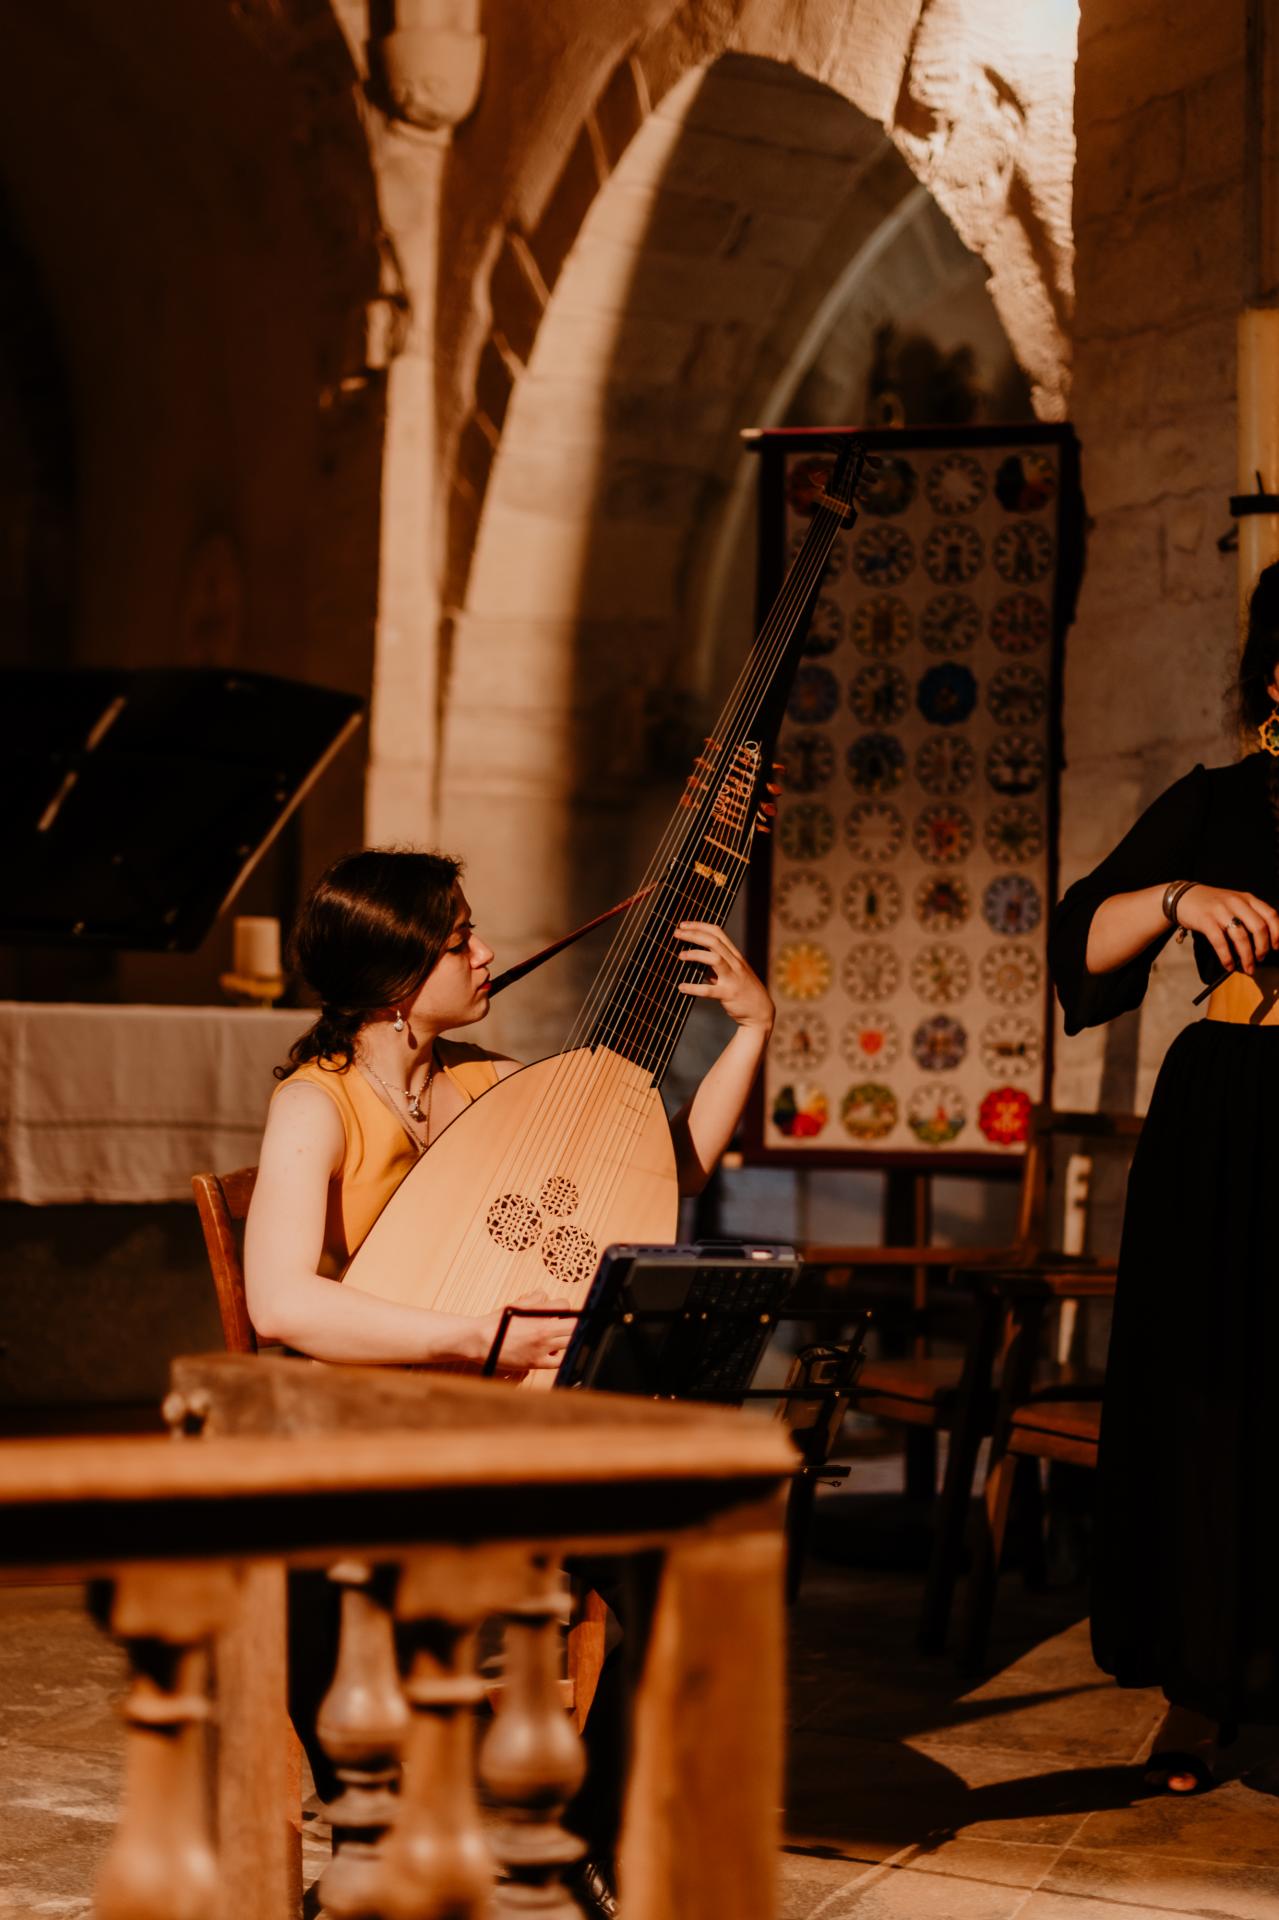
(387, 943)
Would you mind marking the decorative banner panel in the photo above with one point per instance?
(901, 912)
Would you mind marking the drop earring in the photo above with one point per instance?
(399, 1021)
(1268, 733)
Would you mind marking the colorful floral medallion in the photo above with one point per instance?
(874, 830)
(1013, 835)
(1023, 552)
(803, 900)
(946, 694)
(1019, 623)
(806, 831)
(1010, 1046)
(956, 484)
(879, 695)
(939, 1044)
(1011, 904)
(871, 972)
(883, 556)
(940, 974)
(876, 762)
(802, 970)
(1017, 695)
(1015, 764)
(942, 903)
(869, 1111)
(808, 759)
(943, 835)
(892, 489)
(1004, 1116)
(950, 623)
(814, 696)
(881, 626)
(936, 1114)
(800, 1113)
(945, 764)
(1010, 975)
(1025, 482)
(870, 1042)
(953, 553)
(800, 1040)
(871, 902)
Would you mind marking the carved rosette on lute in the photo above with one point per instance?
(528, 1185)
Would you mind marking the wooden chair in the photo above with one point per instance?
(957, 1395)
(1059, 1420)
(222, 1202)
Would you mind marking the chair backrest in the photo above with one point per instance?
(222, 1202)
(1051, 1129)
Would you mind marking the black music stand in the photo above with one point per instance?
(135, 804)
(692, 1323)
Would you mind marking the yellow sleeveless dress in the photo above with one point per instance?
(378, 1152)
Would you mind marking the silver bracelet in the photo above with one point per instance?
(1172, 898)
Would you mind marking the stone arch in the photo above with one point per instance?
(573, 684)
(979, 102)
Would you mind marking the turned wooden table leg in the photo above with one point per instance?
(362, 1722)
(436, 1864)
(701, 1828)
(531, 1759)
(258, 1782)
(163, 1864)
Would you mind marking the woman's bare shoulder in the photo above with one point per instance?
(305, 1114)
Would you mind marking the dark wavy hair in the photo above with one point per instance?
(370, 932)
(1260, 654)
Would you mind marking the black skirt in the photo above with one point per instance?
(1186, 1587)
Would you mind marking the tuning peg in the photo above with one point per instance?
(779, 766)
(768, 810)
(771, 788)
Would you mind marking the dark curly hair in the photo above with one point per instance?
(1260, 654)
(370, 932)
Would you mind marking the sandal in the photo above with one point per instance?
(1186, 1749)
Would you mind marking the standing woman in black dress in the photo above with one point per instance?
(1186, 1581)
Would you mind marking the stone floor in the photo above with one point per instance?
(909, 1795)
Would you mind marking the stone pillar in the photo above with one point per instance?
(426, 74)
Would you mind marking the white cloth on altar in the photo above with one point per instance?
(125, 1103)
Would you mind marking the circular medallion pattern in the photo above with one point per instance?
(869, 1111)
(559, 1196)
(1010, 1045)
(874, 830)
(943, 834)
(946, 694)
(872, 902)
(825, 629)
(881, 626)
(942, 903)
(806, 831)
(802, 970)
(1023, 552)
(1017, 695)
(513, 1222)
(1019, 623)
(950, 623)
(871, 972)
(802, 900)
(814, 696)
(1015, 764)
(876, 762)
(870, 1042)
(800, 1113)
(956, 484)
(938, 1045)
(879, 695)
(883, 556)
(1013, 835)
(808, 759)
(936, 1113)
(940, 974)
(569, 1255)
(953, 553)
(1010, 975)
(1011, 904)
(1004, 1116)
(799, 1040)
(945, 764)
(1025, 482)
(892, 489)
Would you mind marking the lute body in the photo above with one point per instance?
(525, 1189)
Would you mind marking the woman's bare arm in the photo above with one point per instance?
(1240, 928)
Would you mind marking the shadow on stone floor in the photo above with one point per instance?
(912, 1794)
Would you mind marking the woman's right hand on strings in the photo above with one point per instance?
(1240, 928)
(530, 1344)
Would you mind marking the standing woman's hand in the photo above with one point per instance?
(1240, 928)
(739, 990)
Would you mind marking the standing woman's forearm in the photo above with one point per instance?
(1124, 926)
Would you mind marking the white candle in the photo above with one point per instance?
(256, 947)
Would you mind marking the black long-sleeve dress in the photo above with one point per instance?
(1186, 1581)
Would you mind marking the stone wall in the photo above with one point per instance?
(1159, 228)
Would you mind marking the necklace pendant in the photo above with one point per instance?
(415, 1110)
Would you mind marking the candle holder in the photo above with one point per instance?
(252, 989)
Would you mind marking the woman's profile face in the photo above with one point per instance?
(455, 992)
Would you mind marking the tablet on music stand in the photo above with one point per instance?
(683, 1323)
